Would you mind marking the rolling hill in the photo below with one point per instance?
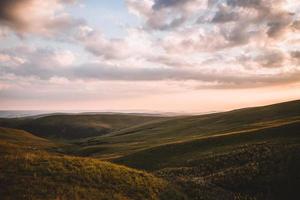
(251, 153)
(178, 154)
(187, 128)
(74, 126)
(31, 169)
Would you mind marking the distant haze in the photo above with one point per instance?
(37, 113)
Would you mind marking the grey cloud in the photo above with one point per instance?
(296, 25)
(259, 81)
(7, 16)
(238, 35)
(251, 19)
(40, 63)
(246, 3)
(277, 19)
(159, 4)
(279, 23)
(171, 61)
(14, 14)
(295, 55)
(164, 15)
(225, 17)
(174, 23)
(265, 58)
(44, 68)
(113, 73)
(271, 59)
(225, 14)
(275, 28)
(164, 22)
(110, 50)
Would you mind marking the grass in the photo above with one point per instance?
(184, 129)
(177, 154)
(37, 173)
(251, 153)
(76, 126)
(267, 170)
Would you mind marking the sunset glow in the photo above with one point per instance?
(148, 55)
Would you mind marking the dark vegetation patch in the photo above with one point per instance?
(178, 154)
(259, 171)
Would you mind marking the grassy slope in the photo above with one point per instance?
(179, 154)
(260, 164)
(251, 153)
(30, 169)
(182, 129)
(266, 170)
(76, 126)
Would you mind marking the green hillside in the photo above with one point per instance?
(264, 170)
(260, 164)
(76, 126)
(178, 154)
(251, 153)
(183, 129)
(30, 169)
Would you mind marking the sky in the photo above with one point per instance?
(148, 55)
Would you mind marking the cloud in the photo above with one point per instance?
(35, 62)
(296, 25)
(268, 59)
(136, 45)
(215, 43)
(45, 18)
(159, 4)
(64, 58)
(279, 24)
(99, 45)
(11, 60)
(296, 56)
(47, 64)
(233, 23)
(271, 59)
(193, 28)
(225, 14)
(247, 3)
(271, 13)
(165, 14)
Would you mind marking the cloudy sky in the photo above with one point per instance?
(159, 55)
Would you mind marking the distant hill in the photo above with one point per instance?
(30, 169)
(188, 128)
(74, 126)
